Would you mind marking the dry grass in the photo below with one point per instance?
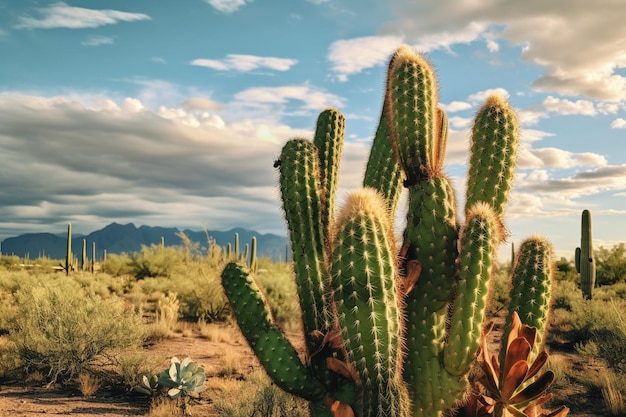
(88, 384)
(165, 407)
(613, 398)
(231, 363)
(218, 333)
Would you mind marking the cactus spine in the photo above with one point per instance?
(380, 341)
(583, 257)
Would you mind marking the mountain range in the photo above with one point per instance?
(127, 238)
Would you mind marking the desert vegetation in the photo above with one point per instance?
(92, 333)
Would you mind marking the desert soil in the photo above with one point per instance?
(55, 401)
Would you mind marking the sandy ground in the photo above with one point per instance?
(213, 356)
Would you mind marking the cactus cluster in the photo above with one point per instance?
(583, 257)
(393, 328)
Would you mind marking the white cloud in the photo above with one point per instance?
(552, 35)
(246, 63)
(456, 106)
(60, 15)
(557, 158)
(351, 56)
(97, 41)
(567, 107)
(228, 6)
(618, 123)
(444, 39)
(312, 98)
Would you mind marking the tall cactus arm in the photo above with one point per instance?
(382, 171)
(413, 100)
(530, 291)
(329, 137)
(493, 156)
(270, 345)
(365, 296)
(302, 205)
(476, 263)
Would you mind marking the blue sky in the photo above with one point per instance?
(171, 113)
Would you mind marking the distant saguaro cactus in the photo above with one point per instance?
(583, 257)
(68, 253)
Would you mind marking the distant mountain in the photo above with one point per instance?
(127, 238)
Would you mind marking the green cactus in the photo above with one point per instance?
(68, 253)
(583, 257)
(83, 257)
(252, 262)
(380, 341)
(93, 257)
(530, 288)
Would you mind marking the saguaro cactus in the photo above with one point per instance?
(68, 253)
(583, 257)
(390, 330)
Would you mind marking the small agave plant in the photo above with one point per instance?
(182, 377)
(514, 388)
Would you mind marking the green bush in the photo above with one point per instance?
(117, 265)
(611, 264)
(279, 286)
(61, 331)
(156, 261)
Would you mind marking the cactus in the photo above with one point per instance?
(583, 257)
(252, 262)
(83, 256)
(93, 257)
(68, 254)
(389, 330)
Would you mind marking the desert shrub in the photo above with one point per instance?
(60, 331)
(117, 265)
(10, 262)
(256, 396)
(202, 297)
(611, 264)
(279, 286)
(166, 317)
(156, 261)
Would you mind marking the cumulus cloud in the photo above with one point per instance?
(312, 98)
(246, 63)
(227, 6)
(61, 15)
(456, 106)
(619, 123)
(553, 35)
(568, 107)
(530, 158)
(351, 56)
